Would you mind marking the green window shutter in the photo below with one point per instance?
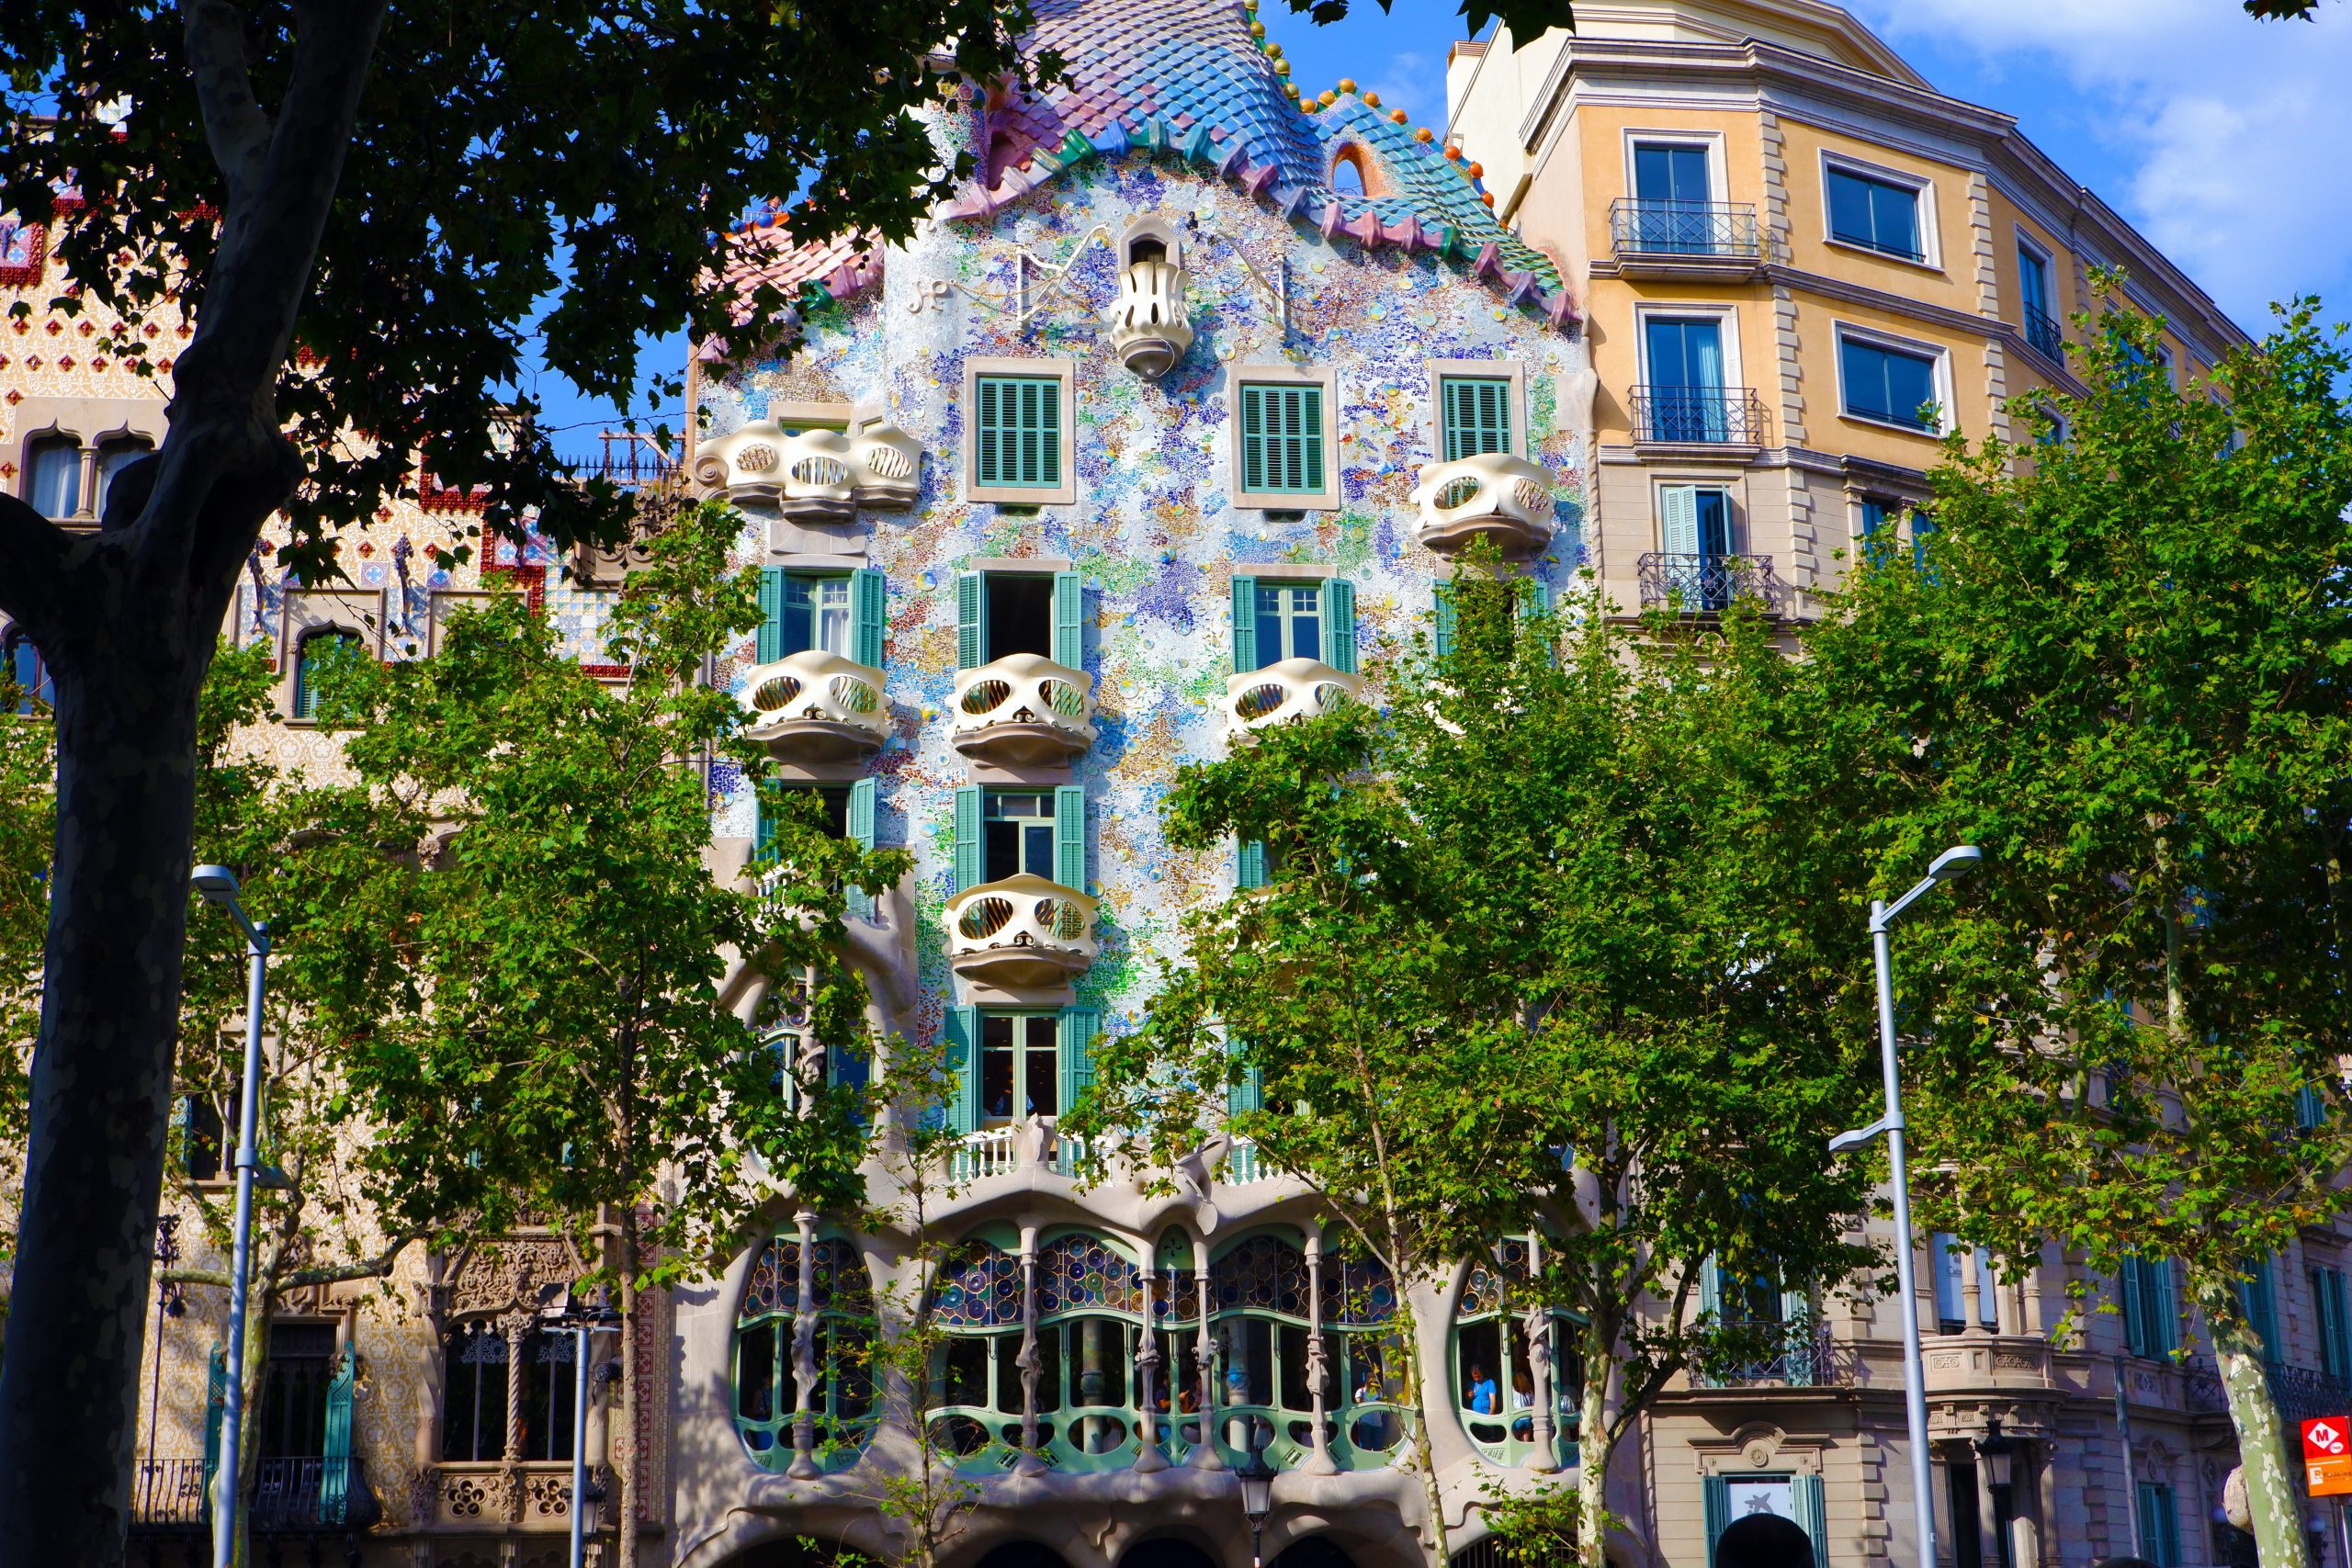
(763, 819)
(971, 620)
(1338, 612)
(2156, 1287)
(2134, 1308)
(1711, 1289)
(1019, 437)
(1477, 416)
(1679, 519)
(770, 613)
(870, 616)
(1070, 836)
(862, 799)
(1248, 1091)
(334, 1472)
(1534, 600)
(1245, 624)
(1442, 636)
(2159, 1531)
(2335, 1320)
(2261, 1305)
(1249, 863)
(1718, 1504)
(1806, 1501)
(963, 1068)
(968, 865)
(1254, 438)
(1282, 439)
(215, 1399)
(1076, 1039)
(1069, 620)
(988, 430)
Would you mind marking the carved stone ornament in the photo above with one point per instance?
(499, 1278)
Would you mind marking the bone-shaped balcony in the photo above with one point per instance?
(1491, 496)
(1286, 693)
(1150, 331)
(1022, 931)
(814, 476)
(1024, 710)
(817, 708)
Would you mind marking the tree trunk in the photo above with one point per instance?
(1592, 1454)
(2270, 1490)
(626, 1458)
(127, 678)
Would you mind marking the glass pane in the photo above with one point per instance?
(54, 484)
(113, 458)
(1850, 209)
(832, 614)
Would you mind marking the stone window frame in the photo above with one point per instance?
(1065, 493)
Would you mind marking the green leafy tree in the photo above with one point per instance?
(2120, 667)
(27, 828)
(1534, 954)
(565, 951)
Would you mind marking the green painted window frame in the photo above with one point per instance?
(1283, 445)
(303, 699)
(841, 1428)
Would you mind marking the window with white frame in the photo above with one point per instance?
(1876, 209)
(1890, 382)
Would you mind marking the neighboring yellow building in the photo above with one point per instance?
(1784, 242)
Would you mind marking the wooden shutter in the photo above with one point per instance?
(1477, 416)
(2134, 1308)
(1282, 439)
(1245, 624)
(2336, 1317)
(1041, 433)
(216, 1398)
(1338, 612)
(1679, 519)
(335, 1469)
(1441, 632)
(1069, 620)
(971, 620)
(1710, 1290)
(962, 1063)
(870, 616)
(1249, 863)
(1017, 440)
(2261, 1304)
(1811, 1508)
(970, 868)
(762, 818)
(770, 613)
(862, 801)
(1075, 1040)
(1254, 439)
(1534, 600)
(1246, 1090)
(1718, 1504)
(988, 425)
(1070, 837)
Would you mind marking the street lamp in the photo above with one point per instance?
(1949, 866)
(557, 1309)
(1257, 1478)
(219, 886)
(1997, 1452)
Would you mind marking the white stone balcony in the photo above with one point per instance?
(1150, 331)
(813, 476)
(1024, 931)
(1286, 693)
(817, 708)
(1508, 499)
(1024, 710)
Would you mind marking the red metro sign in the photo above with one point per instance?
(2327, 1456)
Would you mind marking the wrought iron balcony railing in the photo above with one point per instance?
(289, 1496)
(1729, 415)
(1706, 584)
(2300, 1394)
(1644, 227)
(1803, 1355)
(2044, 336)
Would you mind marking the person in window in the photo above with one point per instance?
(1371, 1432)
(1482, 1391)
(1523, 1397)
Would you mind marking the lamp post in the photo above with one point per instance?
(1949, 866)
(1997, 1452)
(1257, 1478)
(219, 886)
(558, 1310)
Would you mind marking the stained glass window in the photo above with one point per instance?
(1494, 1380)
(767, 1384)
(1085, 1273)
(1265, 1273)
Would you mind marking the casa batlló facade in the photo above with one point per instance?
(1167, 428)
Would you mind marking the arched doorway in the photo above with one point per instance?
(1763, 1541)
(1162, 1552)
(1313, 1552)
(1020, 1554)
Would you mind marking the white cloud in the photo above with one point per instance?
(1414, 84)
(2235, 132)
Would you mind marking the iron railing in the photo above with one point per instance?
(630, 460)
(1644, 227)
(171, 1492)
(1730, 415)
(1702, 584)
(2301, 1394)
(2042, 335)
(289, 1496)
(1804, 1357)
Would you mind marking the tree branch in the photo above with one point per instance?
(32, 569)
(374, 1267)
(212, 31)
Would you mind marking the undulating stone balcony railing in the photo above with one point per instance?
(1285, 693)
(1022, 931)
(1491, 496)
(817, 708)
(1013, 1149)
(1024, 710)
(1150, 331)
(813, 476)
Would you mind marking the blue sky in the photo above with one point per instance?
(2227, 142)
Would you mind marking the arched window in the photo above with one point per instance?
(829, 1285)
(481, 1384)
(1496, 1378)
(1257, 1327)
(53, 476)
(1176, 1330)
(975, 1408)
(1089, 1319)
(28, 673)
(114, 454)
(1367, 1355)
(313, 653)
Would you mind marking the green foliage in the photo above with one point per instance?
(27, 829)
(2122, 670)
(1537, 953)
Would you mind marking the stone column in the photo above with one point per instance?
(1318, 1364)
(1535, 1323)
(516, 1325)
(1972, 1290)
(1149, 1457)
(1205, 1456)
(804, 1352)
(1029, 1361)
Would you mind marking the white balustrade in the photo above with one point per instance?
(1149, 330)
(1022, 931)
(816, 708)
(1508, 499)
(1024, 710)
(1285, 693)
(993, 1151)
(1244, 1166)
(813, 476)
